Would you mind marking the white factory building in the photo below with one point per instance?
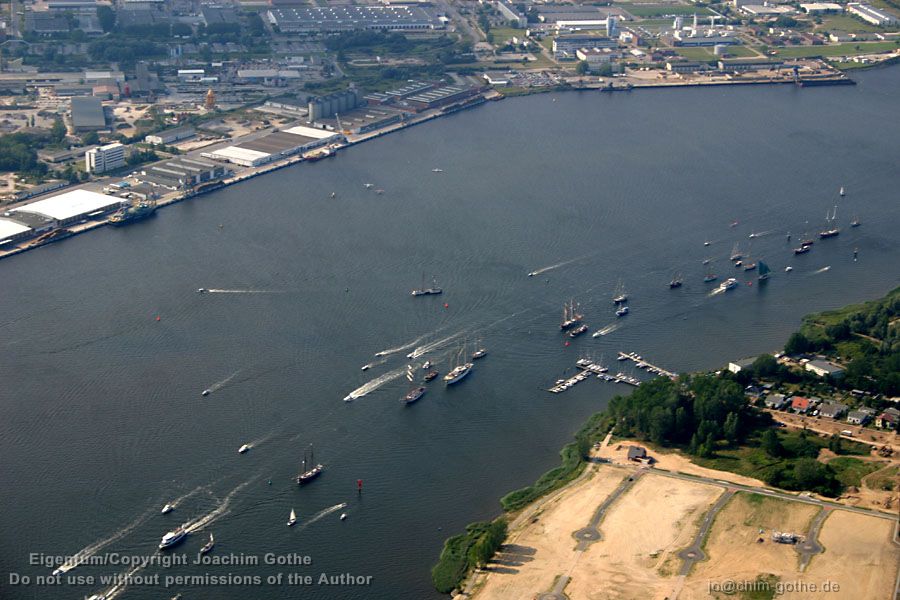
(11, 231)
(871, 14)
(105, 158)
(274, 146)
(70, 207)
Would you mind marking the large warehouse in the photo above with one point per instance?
(274, 146)
(71, 207)
(331, 19)
(11, 231)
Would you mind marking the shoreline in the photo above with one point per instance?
(491, 94)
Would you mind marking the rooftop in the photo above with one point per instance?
(69, 205)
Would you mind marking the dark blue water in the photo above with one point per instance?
(101, 418)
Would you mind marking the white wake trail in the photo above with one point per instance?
(221, 291)
(221, 510)
(88, 551)
(375, 384)
(218, 386)
(323, 513)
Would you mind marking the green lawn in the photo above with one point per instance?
(846, 23)
(503, 34)
(886, 480)
(660, 10)
(851, 470)
(851, 49)
(697, 54)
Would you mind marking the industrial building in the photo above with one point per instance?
(595, 57)
(70, 207)
(571, 13)
(713, 40)
(105, 158)
(364, 120)
(765, 10)
(565, 46)
(170, 136)
(410, 89)
(511, 13)
(332, 19)
(817, 8)
(742, 65)
(182, 173)
(327, 106)
(439, 97)
(871, 14)
(274, 146)
(686, 67)
(87, 113)
(13, 231)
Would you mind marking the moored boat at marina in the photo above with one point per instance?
(136, 212)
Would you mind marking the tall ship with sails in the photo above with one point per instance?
(763, 271)
(571, 316)
(831, 229)
(460, 369)
(310, 469)
(427, 291)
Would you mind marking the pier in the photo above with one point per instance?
(588, 369)
(640, 363)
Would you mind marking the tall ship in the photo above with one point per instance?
(460, 370)
(736, 253)
(416, 392)
(619, 294)
(173, 538)
(427, 291)
(763, 271)
(135, 212)
(571, 316)
(831, 229)
(308, 472)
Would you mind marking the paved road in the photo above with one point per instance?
(811, 546)
(694, 553)
(591, 533)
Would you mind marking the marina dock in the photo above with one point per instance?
(640, 363)
(589, 369)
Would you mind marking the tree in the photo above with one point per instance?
(107, 18)
(58, 131)
(771, 444)
(90, 138)
(582, 68)
(797, 344)
(765, 366)
(731, 429)
(835, 444)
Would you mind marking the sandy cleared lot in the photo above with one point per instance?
(732, 547)
(859, 556)
(542, 549)
(642, 531)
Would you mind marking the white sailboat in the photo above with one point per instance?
(209, 545)
(842, 191)
(293, 519)
(620, 295)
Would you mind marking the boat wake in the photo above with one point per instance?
(120, 581)
(431, 346)
(87, 552)
(822, 270)
(608, 329)
(411, 344)
(220, 511)
(218, 386)
(375, 384)
(219, 291)
(556, 266)
(323, 513)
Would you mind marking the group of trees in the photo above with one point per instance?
(698, 413)
(18, 151)
(464, 552)
(866, 336)
(802, 471)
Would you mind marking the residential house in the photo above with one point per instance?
(861, 416)
(832, 410)
(637, 453)
(888, 419)
(799, 404)
(824, 368)
(775, 401)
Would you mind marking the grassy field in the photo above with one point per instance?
(503, 34)
(886, 480)
(846, 23)
(837, 50)
(661, 10)
(851, 470)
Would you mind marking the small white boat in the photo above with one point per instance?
(244, 448)
(349, 398)
(842, 191)
(366, 367)
(426, 365)
(292, 520)
(622, 311)
(788, 269)
(706, 243)
(167, 509)
(532, 274)
(343, 516)
(437, 170)
(333, 195)
(369, 186)
(202, 290)
(209, 545)
(205, 392)
(480, 353)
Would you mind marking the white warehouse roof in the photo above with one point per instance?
(235, 152)
(311, 132)
(10, 228)
(70, 204)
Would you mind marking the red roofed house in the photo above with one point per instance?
(800, 404)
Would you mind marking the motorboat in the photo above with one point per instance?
(173, 538)
(244, 448)
(205, 392)
(622, 311)
(167, 509)
(208, 545)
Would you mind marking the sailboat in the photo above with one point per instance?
(209, 545)
(416, 392)
(620, 295)
(763, 271)
(736, 253)
(842, 191)
(480, 351)
(571, 317)
(676, 282)
(292, 520)
(308, 471)
(424, 291)
(832, 230)
(855, 222)
(710, 276)
(460, 370)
